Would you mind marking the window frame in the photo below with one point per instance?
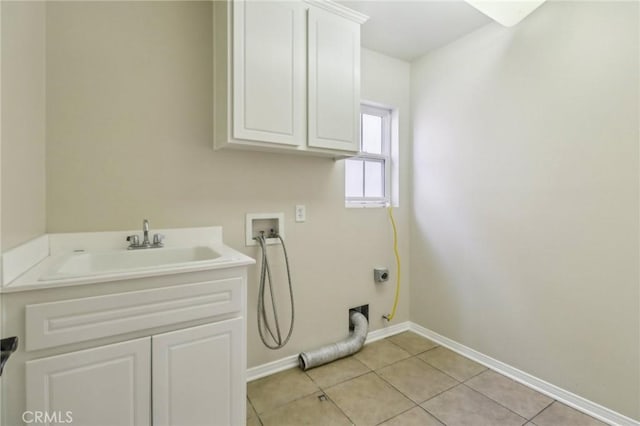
(386, 114)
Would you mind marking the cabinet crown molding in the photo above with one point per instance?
(339, 9)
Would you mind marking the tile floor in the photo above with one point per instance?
(402, 380)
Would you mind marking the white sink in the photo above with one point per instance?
(79, 258)
(115, 261)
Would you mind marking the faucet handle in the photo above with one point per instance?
(157, 239)
(134, 240)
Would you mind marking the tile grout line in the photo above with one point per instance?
(377, 375)
(254, 410)
(251, 404)
(406, 350)
(448, 374)
(345, 380)
(432, 414)
(391, 341)
(482, 372)
(396, 389)
(416, 404)
(400, 360)
(496, 401)
(435, 396)
(499, 403)
(544, 409)
(339, 408)
(444, 372)
(288, 402)
(386, 365)
(341, 381)
(464, 382)
(459, 382)
(491, 399)
(371, 370)
(399, 414)
(323, 390)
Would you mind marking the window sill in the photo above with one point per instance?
(365, 205)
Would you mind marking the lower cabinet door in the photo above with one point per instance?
(108, 385)
(198, 376)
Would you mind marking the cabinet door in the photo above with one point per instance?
(269, 71)
(109, 385)
(198, 376)
(334, 81)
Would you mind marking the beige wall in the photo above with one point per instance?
(525, 228)
(23, 122)
(525, 218)
(129, 136)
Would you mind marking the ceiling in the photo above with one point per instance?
(409, 29)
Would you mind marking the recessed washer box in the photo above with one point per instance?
(263, 222)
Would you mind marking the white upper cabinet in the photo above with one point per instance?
(287, 76)
(334, 81)
(269, 72)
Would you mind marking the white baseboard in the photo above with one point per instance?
(579, 403)
(291, 361)
(272, 367)
(382, 333)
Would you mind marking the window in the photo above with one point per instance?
(367, 176)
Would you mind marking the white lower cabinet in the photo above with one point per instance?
(171, 355)
(190, 377)
(108, 385)
(198, 376)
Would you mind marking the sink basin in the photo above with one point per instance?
(116, 261)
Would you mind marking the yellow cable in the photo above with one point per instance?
(395, 251)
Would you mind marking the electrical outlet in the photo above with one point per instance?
(301, 213)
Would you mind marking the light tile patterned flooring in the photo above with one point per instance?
(402, 380)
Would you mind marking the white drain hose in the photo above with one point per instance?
(333, 351)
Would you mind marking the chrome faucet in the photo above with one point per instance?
(145, 233)
(134, 240)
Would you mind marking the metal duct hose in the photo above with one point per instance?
(333, 351)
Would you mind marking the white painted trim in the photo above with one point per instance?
(63, 322)
(338, 9)
(17, 261)
(272, 367)
(291, 361)
(382, 333)
(579, 403)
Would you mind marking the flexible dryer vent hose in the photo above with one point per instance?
(333, 351)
